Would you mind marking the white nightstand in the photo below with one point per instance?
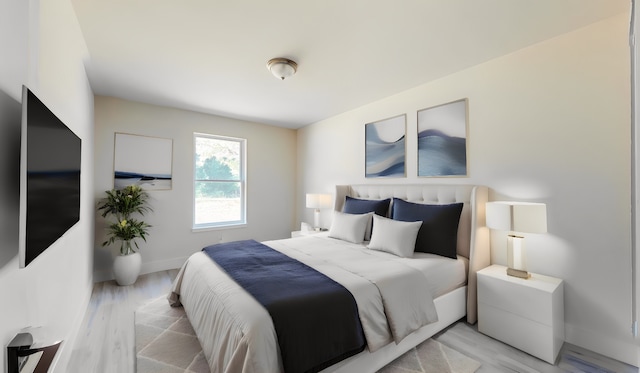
(305, 233)
(525, 313)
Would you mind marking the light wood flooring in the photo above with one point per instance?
(106, 343)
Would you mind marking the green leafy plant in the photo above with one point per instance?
(121, 205)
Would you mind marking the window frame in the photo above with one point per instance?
(242, 180)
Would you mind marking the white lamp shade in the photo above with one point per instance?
(318, 201)
(525, 217)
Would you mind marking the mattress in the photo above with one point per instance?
(237, 334)
(443, 274)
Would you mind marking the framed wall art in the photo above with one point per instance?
(142, 160)
(385, 147)
(442, 140)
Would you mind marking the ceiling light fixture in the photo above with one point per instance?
(282, 68)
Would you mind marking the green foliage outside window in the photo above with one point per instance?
(223, 186)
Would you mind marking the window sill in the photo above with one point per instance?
(218, 227)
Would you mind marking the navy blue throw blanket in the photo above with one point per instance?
(316, 319)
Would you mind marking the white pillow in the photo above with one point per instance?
(394, 236)
(349, 227)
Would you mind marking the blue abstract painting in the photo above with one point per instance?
(385, 147)
(442, 140)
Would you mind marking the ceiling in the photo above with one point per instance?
(210, 55)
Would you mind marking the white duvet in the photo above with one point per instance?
(393, 295)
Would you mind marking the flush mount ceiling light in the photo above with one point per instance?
(282, 68)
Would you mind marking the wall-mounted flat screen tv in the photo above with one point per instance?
(49, 178)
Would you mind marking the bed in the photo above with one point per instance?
(237, 334)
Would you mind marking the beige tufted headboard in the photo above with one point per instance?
(473, 235)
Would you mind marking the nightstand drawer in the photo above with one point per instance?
(529, 336)
(525, 313)
(531, 298)
(529, 303)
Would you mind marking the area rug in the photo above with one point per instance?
(166, 343)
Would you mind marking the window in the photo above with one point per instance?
(219, 181)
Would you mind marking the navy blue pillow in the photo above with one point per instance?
(363, 206)
(439, 231)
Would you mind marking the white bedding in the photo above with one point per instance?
(237, 334)
(443, 274)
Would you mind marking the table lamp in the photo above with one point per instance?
(317, 202)
(516, 217)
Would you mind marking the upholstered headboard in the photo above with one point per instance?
(473, 235)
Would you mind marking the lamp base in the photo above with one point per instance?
(518, 273)
(316, 220)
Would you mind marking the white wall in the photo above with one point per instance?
(549, 123)
(635, 153)
(271, 165)
(43, 48)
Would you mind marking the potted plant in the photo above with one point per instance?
(120, 206)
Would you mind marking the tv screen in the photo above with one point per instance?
(50, 178)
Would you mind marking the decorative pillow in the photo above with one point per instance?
(394, 236)
(439, 231)
(363, 206)
(349, 227)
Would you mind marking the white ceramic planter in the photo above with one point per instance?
(126, 268)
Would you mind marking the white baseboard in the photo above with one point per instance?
(160, 265)
(626, 351)
(63, 355)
